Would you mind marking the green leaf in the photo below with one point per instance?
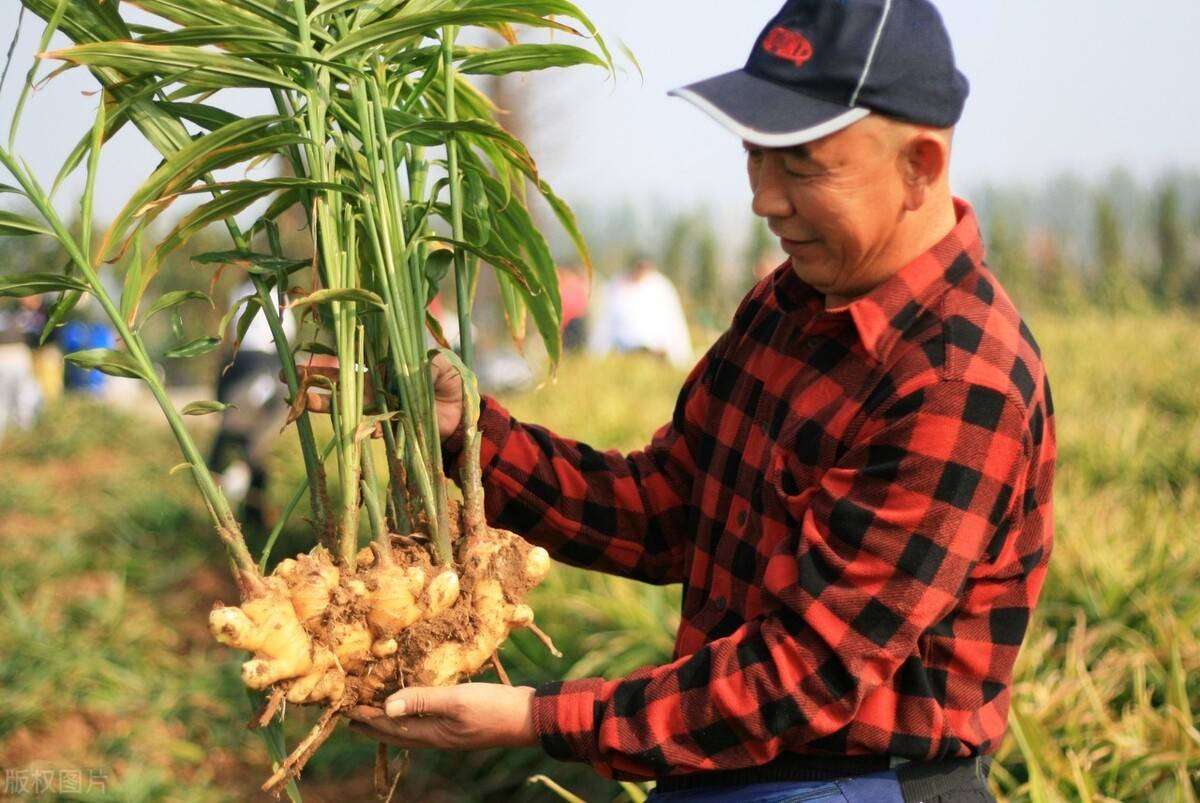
(493, 257)
(134, 288)
(87, 20)
(441, 130)
(437, 265)
(268, 184)
(53, 20)
(86, 203)
(633, 59)
(210, 118)
(207, 408)
(227, 146)
(235, 198)
(541, 295)
(59, 312)
(9, 188)
(557, 8)
(14, 225)
(346, 294)
(171, 300)
(194, 348)
(566, 218)
(253, 307)
(396, 32)
(252, 302)
(19, 285)
(313, 347)
(226, 37)
(107, 361)
(260, 264)
(514, 309)
(250, 13)
(477, 205)
(195, 66)
(525, 58)
(272, 733)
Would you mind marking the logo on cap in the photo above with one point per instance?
(788, 45)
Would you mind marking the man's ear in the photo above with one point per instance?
(924, 160)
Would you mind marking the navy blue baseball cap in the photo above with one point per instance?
(822, 65)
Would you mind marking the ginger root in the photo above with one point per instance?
(323, 635)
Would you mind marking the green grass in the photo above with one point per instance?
(108, 569)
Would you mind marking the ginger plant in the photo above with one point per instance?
(405, 179)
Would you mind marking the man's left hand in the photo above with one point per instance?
(470, 716)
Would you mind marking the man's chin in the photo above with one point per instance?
(809, 271)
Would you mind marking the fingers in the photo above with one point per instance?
(373, 722)
(424, 702)
(408, 732)
(317, 402)
(383, 734)
(318, 397)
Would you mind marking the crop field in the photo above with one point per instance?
(110, 680)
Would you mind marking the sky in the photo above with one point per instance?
(1070, 86)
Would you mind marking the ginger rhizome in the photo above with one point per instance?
(321, 634)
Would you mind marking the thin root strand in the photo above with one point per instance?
(500, 669)
(545, 639)
(382, 782)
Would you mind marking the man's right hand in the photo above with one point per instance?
(447, 395)
(447, 390)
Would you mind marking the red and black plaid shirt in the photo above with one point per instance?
(858, 504)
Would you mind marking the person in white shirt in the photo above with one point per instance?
(640, 311)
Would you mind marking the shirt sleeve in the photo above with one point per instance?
(623, 514)
(881, 552)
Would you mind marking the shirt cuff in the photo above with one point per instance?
(564, 718)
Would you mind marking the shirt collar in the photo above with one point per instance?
(882, 316)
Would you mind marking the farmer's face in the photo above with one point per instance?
(835, 203)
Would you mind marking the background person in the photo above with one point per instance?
(47, 357)
(640, 310)
(573, 290)
(20, 398)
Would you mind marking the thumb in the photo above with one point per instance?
(417, 702)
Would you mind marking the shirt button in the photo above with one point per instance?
(741, 519)
(813, 342)
(719, 602)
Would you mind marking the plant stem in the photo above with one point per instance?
(336, 253)
(314, 466)
(462, 283)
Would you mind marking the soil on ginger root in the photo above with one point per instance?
(388, 624)
(460, 622)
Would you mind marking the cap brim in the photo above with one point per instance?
(766, 114)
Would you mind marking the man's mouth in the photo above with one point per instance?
(789, 243)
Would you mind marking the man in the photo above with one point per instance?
(855, 488)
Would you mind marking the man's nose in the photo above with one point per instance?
(770, 195)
